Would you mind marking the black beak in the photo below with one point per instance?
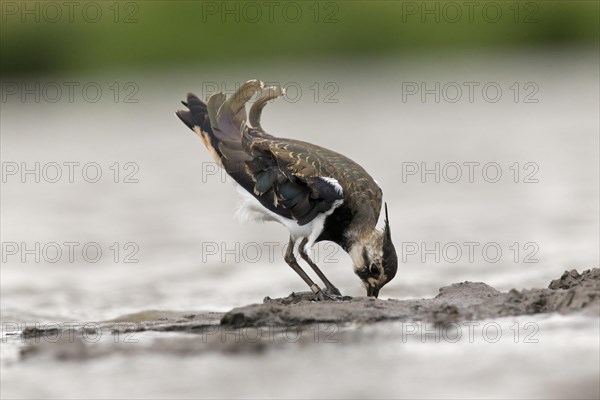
(372, 291)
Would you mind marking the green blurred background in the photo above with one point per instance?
(51, 37)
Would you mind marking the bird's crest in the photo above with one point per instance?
(390, 259)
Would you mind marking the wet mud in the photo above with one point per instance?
(271, 323)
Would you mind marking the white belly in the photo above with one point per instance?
(250, 209)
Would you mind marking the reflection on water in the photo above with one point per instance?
(515, 205)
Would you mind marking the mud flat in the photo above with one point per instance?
(573, 292)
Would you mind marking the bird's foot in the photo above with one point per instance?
(330, 295)
(333, 290)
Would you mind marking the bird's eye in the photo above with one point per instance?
(374, 269)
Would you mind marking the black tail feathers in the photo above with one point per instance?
(197, 114)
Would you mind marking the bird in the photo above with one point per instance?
(316, 193)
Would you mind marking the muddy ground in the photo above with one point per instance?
(572, 292)
(457, 302)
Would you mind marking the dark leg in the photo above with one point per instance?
(330, 287)
(291, 261)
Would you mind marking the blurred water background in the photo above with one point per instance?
(388, 86)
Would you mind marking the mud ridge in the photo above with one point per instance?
(572, 292)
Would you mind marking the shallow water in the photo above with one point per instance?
(176, 221)
(523, 357)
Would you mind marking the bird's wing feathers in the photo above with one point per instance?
(290, 178)
(283, 169)
(268, 94)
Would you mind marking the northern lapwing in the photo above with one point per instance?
(316, 193)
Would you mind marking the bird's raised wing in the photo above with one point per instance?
(288, 176)
(291, 178)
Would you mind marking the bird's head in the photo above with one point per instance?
(374, 258)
